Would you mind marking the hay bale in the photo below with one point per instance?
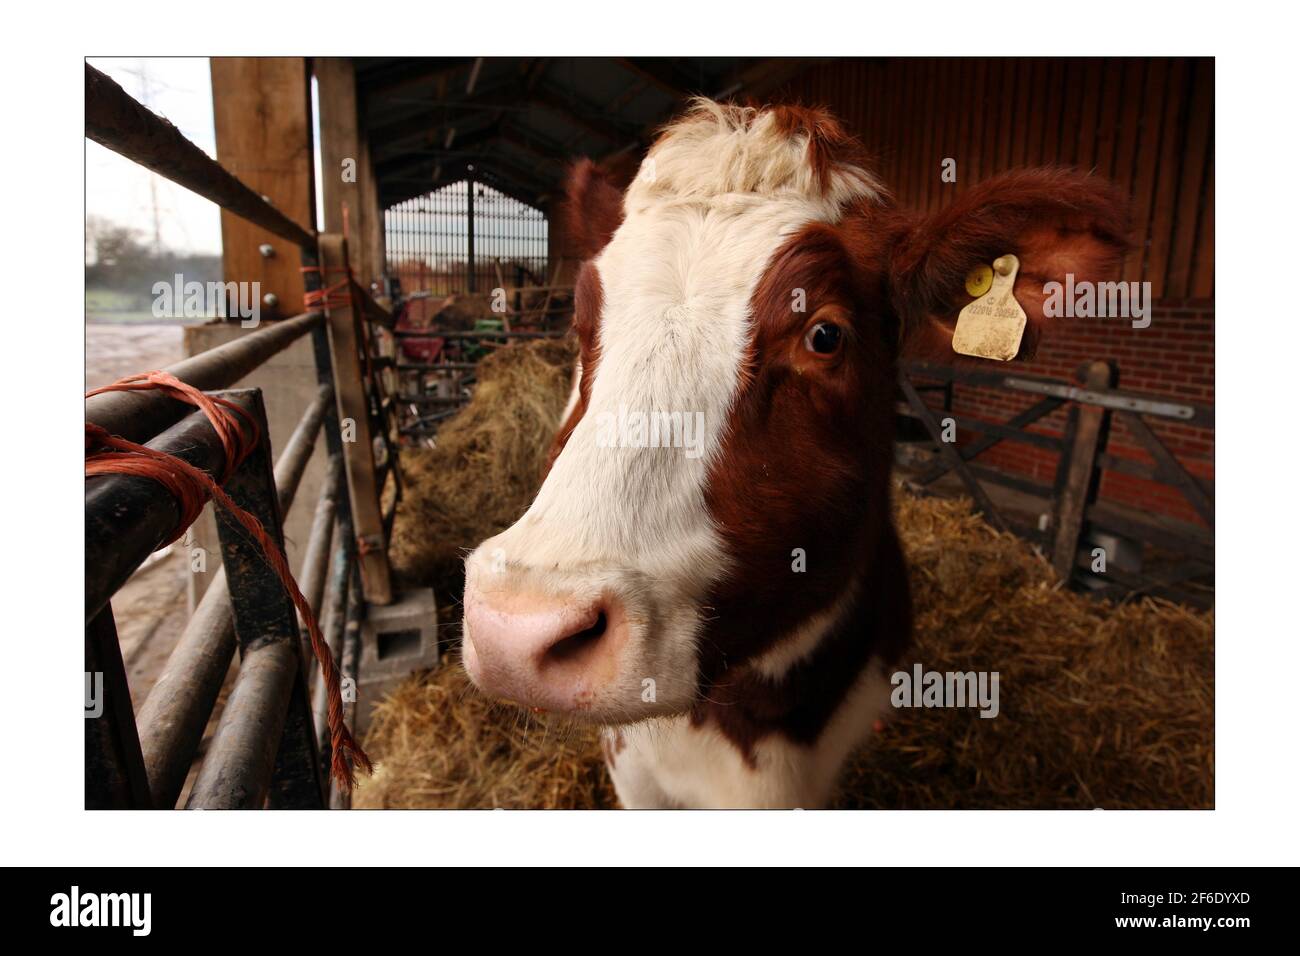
(443, 745)
(486, 464)
(1101, 705)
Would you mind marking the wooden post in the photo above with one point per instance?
(352, 394)
(262, 115)
(1085, 438)
(347, 176)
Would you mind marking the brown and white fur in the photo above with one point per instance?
(658, 593)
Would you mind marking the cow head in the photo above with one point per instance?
(721, 476)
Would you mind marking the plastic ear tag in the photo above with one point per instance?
(979, 280)
(992, 326)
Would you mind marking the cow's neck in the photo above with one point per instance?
(796, 687)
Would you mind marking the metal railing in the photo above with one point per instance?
(270, 747)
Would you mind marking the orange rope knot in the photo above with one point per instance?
(192, 487)
(337, 296)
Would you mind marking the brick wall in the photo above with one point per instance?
(1174, 357)
(1147, 125)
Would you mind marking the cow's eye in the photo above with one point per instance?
(824, 338)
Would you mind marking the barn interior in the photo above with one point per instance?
(400, 217)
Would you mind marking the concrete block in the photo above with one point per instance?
(397, 640)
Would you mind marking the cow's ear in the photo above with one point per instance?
(593, 209)
(1056, 221)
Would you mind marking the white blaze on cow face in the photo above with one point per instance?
(598, 588)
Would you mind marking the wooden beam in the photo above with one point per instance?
(586, 116)
(407, 74)
(342, 156)
(262, 115)
(346, 342)
(755, 81)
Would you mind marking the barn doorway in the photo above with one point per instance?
(465, 237)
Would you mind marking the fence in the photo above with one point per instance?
(270, 747)
(1141, 555)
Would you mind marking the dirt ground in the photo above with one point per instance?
(115, 350)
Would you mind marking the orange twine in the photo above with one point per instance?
(191, 487)
(336, 296)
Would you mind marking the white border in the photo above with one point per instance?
(41, 812)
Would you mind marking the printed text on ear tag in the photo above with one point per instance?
(992, 326)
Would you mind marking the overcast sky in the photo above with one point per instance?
(180, 89)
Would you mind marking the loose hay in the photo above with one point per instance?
(486, 465)
(1101, 705)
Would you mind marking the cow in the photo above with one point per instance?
(728, 605)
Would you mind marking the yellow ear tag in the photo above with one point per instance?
(979, 280)
(992, 326)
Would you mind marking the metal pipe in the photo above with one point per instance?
(336, 617)
(128, 517)
(174, 715)
(315, 559)
(350, 659)
(139, 416)
(114, 119)
(236, 773)
(178, 707)
(297, 451)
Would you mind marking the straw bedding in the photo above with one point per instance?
(1102, 705)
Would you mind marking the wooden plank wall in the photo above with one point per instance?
(1146, 123)
(262, 115)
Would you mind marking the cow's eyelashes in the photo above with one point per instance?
(824, 338)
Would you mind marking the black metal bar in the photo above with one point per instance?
(173, 717)
(139, 416)
(177, 711)
(470, 267)
(115, 120)
(115, 773)
(128, 517)
(234, 773)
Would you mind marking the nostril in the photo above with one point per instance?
(573, 646)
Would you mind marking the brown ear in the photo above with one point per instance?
(593, 209)
(1055, 220)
